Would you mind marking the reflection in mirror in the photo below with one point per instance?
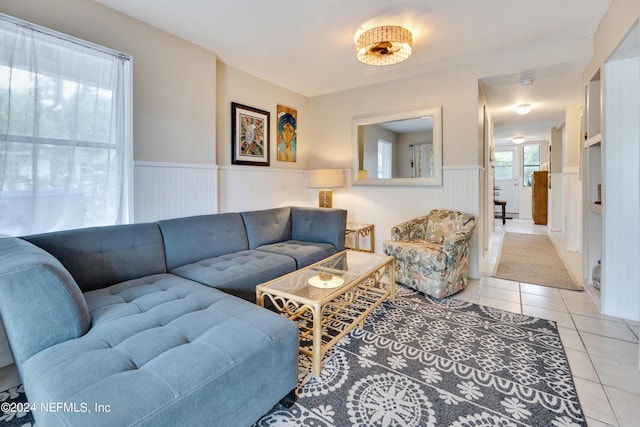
(421, 160)
(399, 149)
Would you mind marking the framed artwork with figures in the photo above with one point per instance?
(287, 134)
(249, 135)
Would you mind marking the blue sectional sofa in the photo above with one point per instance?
(149, 324)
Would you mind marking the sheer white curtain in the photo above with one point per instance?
(422, 160)
(65, 132)
(385, 159)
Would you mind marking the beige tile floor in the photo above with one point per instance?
(602, 350)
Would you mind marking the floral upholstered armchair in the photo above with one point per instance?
(432, 252)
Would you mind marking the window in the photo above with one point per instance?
(385, 157)
(504, 165)
(530, 163)
(65, 132)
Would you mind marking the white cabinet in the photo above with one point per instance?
(611, 179)
(592, 178)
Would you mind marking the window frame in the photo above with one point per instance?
(537, 166)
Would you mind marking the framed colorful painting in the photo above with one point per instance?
(249, 135)
(287, 134)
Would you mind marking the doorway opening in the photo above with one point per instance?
(507, 178)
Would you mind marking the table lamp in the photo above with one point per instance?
(325, 179)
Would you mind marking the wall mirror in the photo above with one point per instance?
(398, 148)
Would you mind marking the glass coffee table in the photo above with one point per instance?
(328, 299)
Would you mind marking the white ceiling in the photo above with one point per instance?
(308, 46)
(555, 88)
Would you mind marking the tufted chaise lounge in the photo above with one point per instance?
(106, 328)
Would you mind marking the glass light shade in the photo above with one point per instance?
(523, 109)
(384, 45)
(518, 139)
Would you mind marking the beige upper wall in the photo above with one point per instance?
(454, 91)
(557, 150)
(181, 92)
(174, 81)
(573, 138)
(237, 86)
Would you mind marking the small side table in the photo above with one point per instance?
(361, 230)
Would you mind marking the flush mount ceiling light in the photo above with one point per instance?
(523, 109)
(384, 45)
(518, 139)
(527, 81)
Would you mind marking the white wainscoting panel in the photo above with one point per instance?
(243, 188)
(572, 206)
(246, 188)
(388, 206)
(556, 197)
(170, 190)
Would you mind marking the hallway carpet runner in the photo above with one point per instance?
(532, 258)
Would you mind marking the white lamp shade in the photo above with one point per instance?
(326, 178)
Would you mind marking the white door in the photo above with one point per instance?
(506, 177)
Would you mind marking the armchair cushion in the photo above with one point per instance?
(444, 223)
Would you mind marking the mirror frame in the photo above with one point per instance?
(436, 179)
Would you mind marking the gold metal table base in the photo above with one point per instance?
(323, 324)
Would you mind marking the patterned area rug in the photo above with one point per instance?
(10, 400)
(420, 362)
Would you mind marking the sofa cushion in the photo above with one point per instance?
(102, 256)
(192, 239)
(320, 225)
(267, 226)
(40, 303)
(166, 351)
(238, 273)
(305, 253)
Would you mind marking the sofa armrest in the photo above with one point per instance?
(40, 303)
(414, 229)
(320, 225)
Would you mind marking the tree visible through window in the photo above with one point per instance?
(65, 131)
(530, 162)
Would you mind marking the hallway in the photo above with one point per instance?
(602, 350)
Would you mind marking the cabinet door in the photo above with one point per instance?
(539, 195)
